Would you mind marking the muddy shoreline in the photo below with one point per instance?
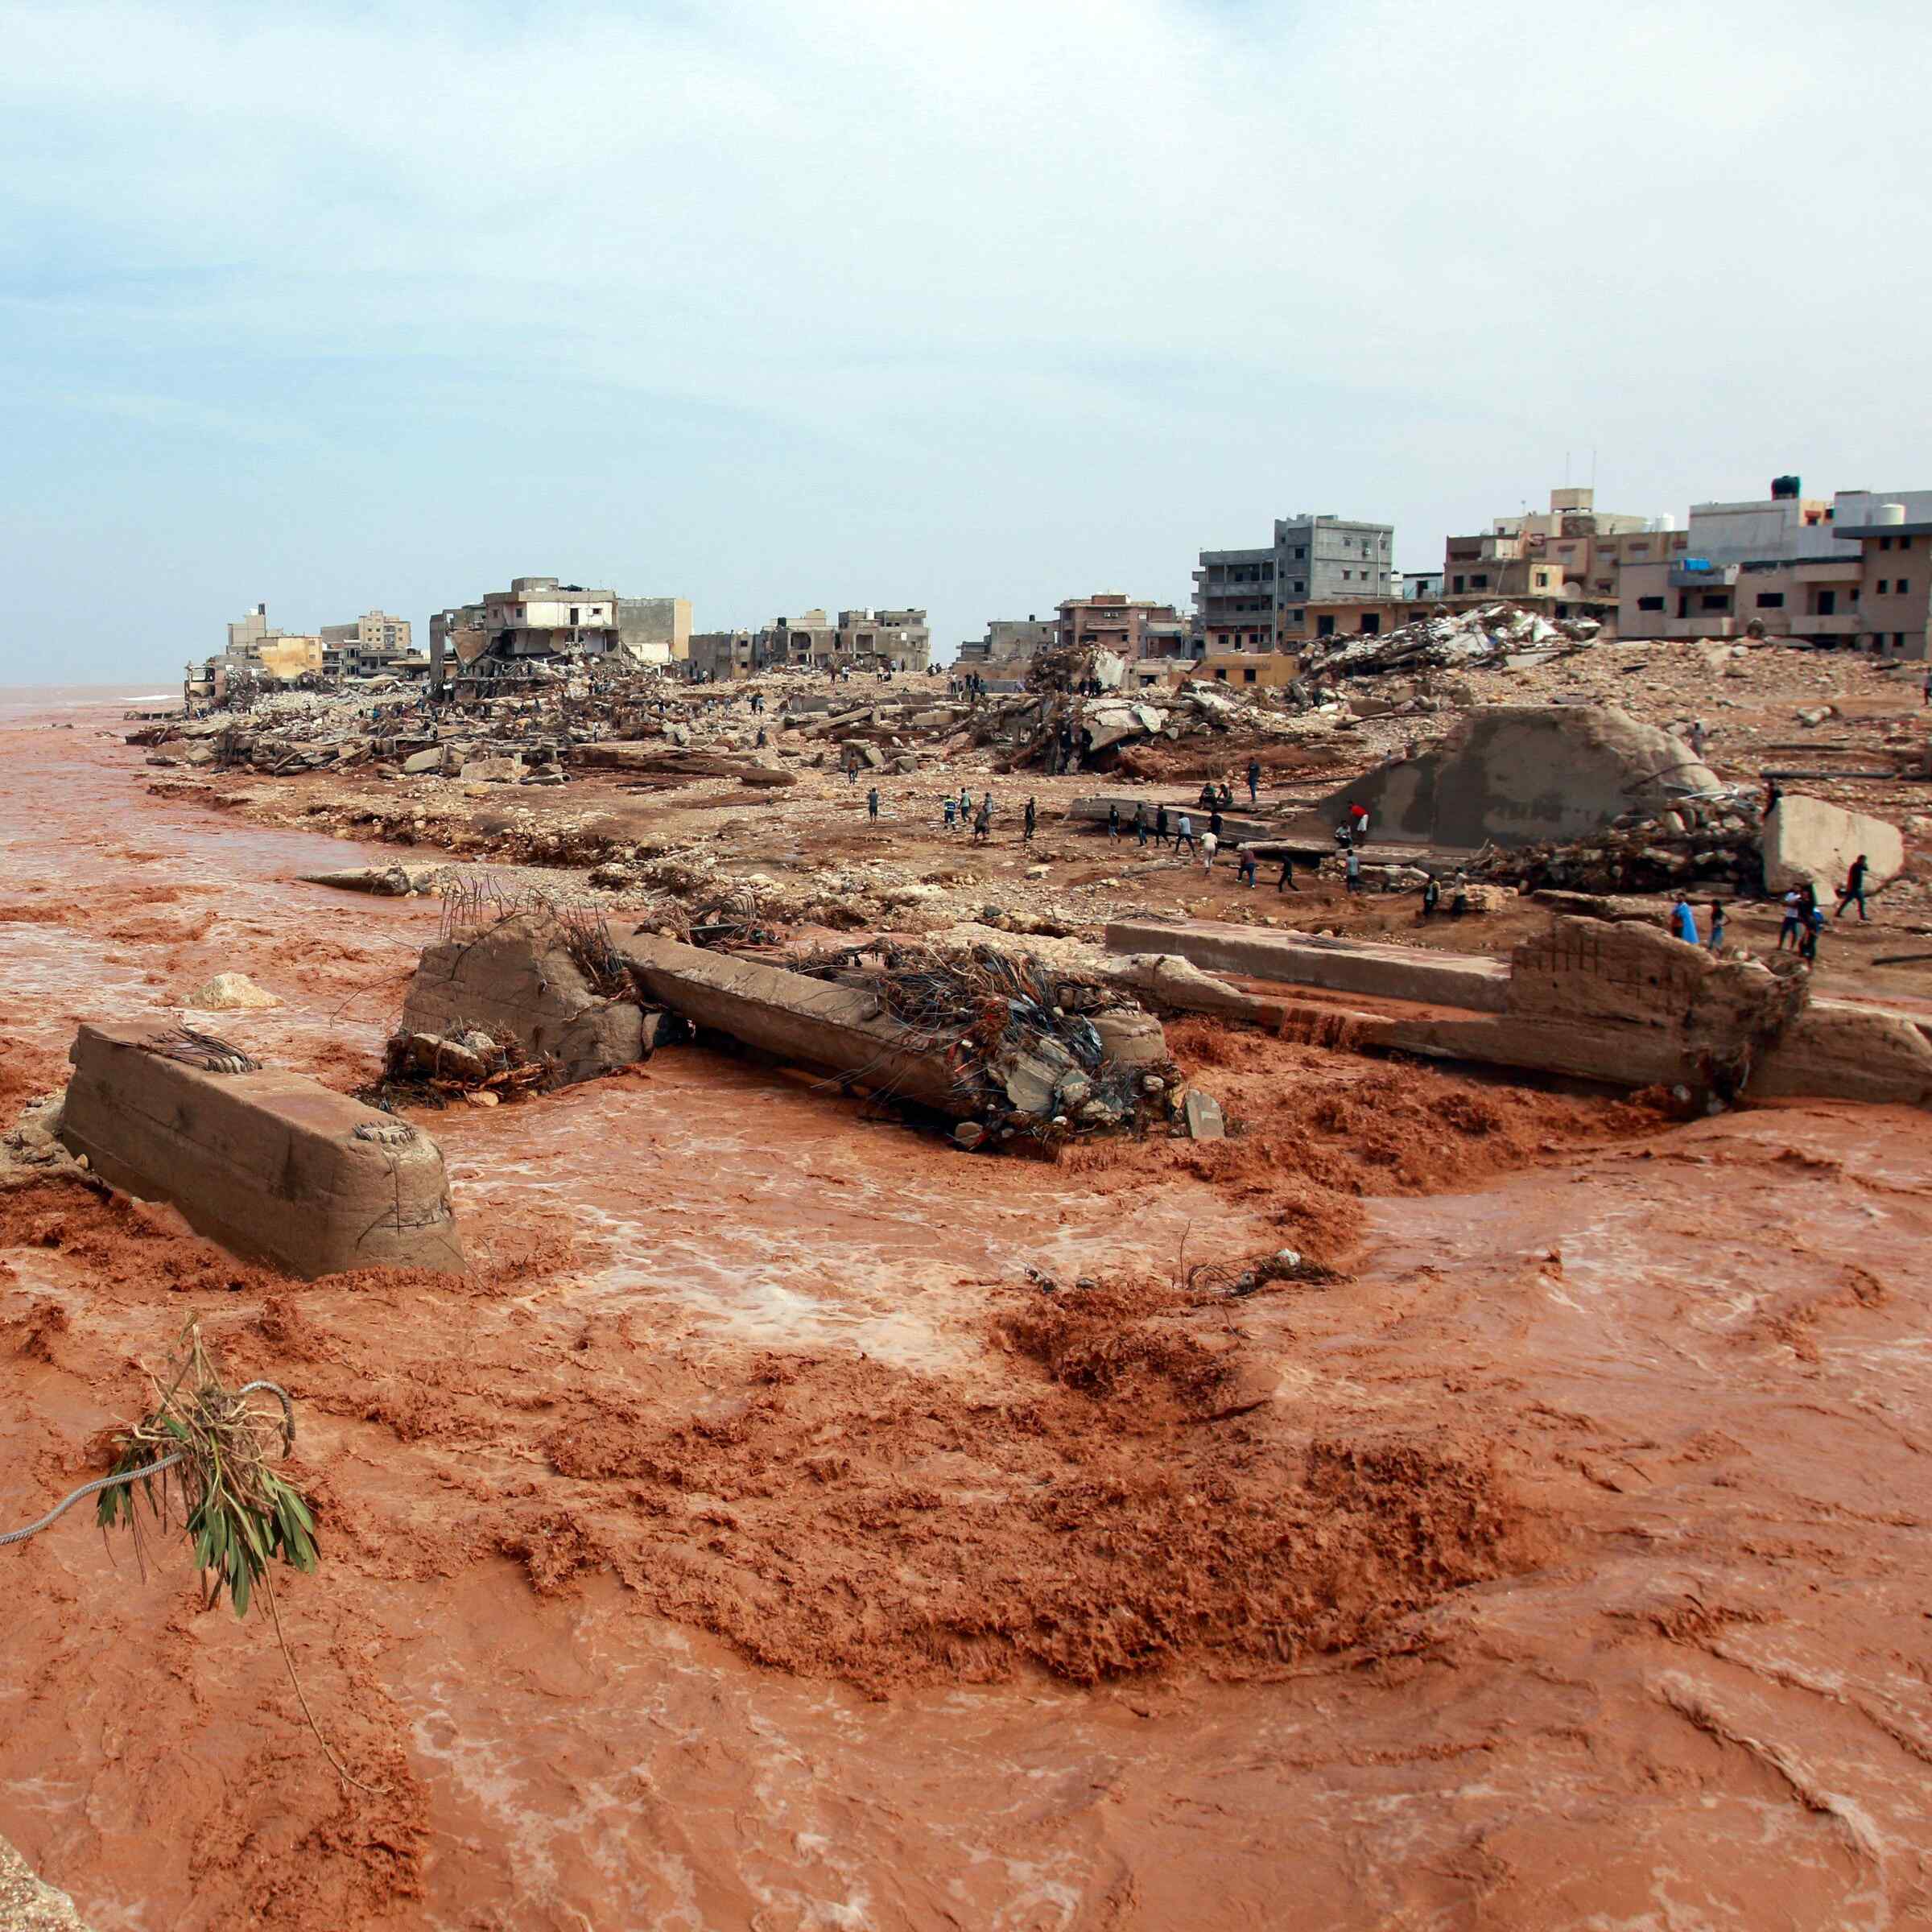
(751, 1541)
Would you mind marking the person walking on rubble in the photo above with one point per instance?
(1160, 826)
(952, 812)
(1717, 927)
(1032, 819)
(1183, 835)
(1139, 824)
(1286, 882)
(1254, 780)
(982, 823)
(1854, 889)
(1214, 823)
(1354, 870)
(1244, 872)
(1432, 896)
(1114, 821)
(1683, 922)
(872, 804)
(1210, 845)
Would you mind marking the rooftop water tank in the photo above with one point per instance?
(1782, 487)
(1890, 512)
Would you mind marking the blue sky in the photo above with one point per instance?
(975, 305)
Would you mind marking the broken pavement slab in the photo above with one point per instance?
(273, 1165)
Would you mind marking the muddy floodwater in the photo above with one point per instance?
(752, 1541)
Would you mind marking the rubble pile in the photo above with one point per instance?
(1702, 844)
(1056, 731)
(1037, 1049)
(1451, 641)
(421, 1068)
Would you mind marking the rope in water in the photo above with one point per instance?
(167, 1462)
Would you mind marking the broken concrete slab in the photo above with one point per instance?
(1474, 982)
(519, 976)
(1234, 829)
(1810, 841)
(272, 1165)
(1205, 1120)
(1520, 775)
(1131, 1038)
(418, 762)
(813, 1022)
(386, 881)
(493, 771)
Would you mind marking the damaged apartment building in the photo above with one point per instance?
(540, 625)
(855, 640)
(258, 654)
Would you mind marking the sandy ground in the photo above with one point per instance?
(753, 1541)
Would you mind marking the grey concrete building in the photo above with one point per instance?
(375, 643)
(1258, 599)
(656, 630)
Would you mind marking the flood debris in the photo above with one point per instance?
(1451, 640)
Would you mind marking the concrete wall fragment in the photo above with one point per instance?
(272, 1164)
(518, 976)
(1810, 841)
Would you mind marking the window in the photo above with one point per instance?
(1247, 674)
(1715, 600)
(1884, 585)
(1480, 582)
(1221, 677)
(1885, 543)
(1649, 603)
(1770, 600)
(1898, 640)
(1347, 575)
(1904, 542)
(1456, 584)
(1902, 588)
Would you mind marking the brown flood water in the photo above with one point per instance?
(750, 1544)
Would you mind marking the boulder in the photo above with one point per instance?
(1806, 840)
(231, 992)
(419, 761)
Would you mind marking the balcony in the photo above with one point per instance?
(1683, 577)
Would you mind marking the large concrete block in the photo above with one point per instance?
(1517, 774)
(518, 976)
(272, 1165)
(1806, 840)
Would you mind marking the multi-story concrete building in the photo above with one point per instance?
(1258, 600)
(1564, 561)
(1009, 645)
(714, 655)
(1110, 620)
(538, 620)
(374, 643)
(654, 630)
(1854, 570)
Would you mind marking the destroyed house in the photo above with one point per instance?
(538, 621)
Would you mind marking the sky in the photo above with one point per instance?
(969, 304)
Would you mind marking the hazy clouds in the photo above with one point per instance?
(974, 305)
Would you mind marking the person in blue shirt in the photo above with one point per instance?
(1683, 922)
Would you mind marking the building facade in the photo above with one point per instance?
(1258, 600)
(1009, 645)
(1565, 561)
(654, 630)
(374, 643)
(538, 621)
(1110, 620)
